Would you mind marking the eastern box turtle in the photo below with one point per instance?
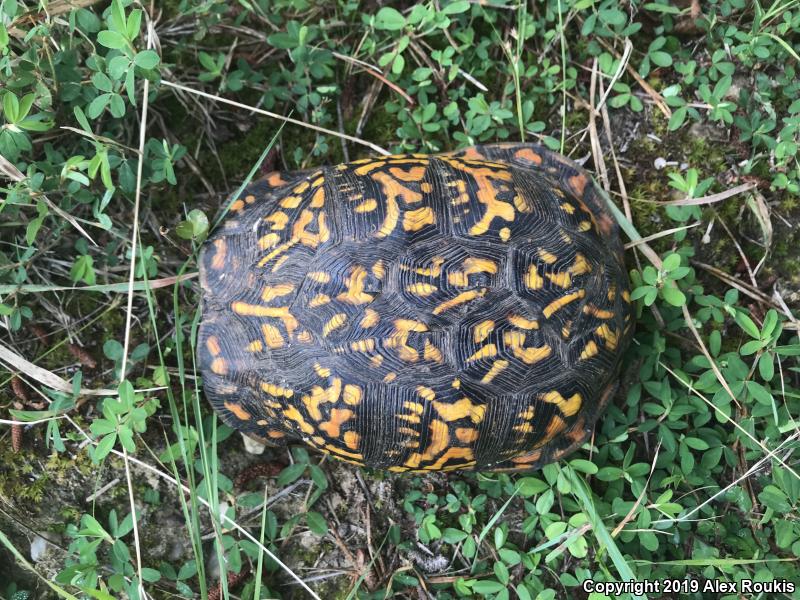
(465, 310)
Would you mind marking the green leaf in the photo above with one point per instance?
(696, 443)
(390, 19)
(714, 342)
(453, 536)
(746, 323)
(487, 586)
(760, 393)
(316, 523)
(25, 106)
(92, 527)
(455, 8)
(290, 474)
(100, 427)
(104, 447)
(78, 112)
(766, 366)
(146, 59)
(677, 118)
(584, 466)
(672, 262)
(117, 16)
(398, 64)
(150, 575)
(98, 105)
(194, 227)
(673, 295)
(11, 107)
(523, 592)
(133, 25)
(501, 572)
(284, 41)
(662, 59)
(112, 39)
(102, 82)
(648, 540)
(530, 486)
(126, 439)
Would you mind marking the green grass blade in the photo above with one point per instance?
(582, 491)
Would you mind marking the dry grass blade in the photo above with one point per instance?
(641, 496)
(623, 63)
(15, 362)
(710, 199)
(655, 259)
(129, 310)
(740, 285)
(224, 517)
(767, 451)
(103, 288)
(758, 204)
(69, 218)
(658, 99)
(267, 113)
(10, 170)
(375, 72)
(594, 138)
(659, 234)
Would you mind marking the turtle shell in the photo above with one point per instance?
(418, 312)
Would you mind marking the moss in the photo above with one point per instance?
(45, 486)
(379, 128)
(16, 478)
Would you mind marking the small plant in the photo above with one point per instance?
(123, 417)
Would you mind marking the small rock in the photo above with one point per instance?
(251, 446)
(41, 544)
(212, 567)
(434, 563)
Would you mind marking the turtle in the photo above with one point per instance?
(467, 310)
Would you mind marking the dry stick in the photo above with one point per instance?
(102, 288)
(622, 189)
(261, 111)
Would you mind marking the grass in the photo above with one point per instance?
(120, 138)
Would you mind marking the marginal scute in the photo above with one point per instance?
(416, 313)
